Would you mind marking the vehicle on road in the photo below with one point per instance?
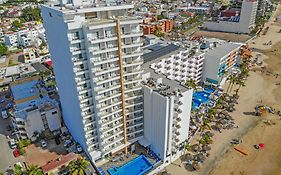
(9, 128)
(4, 114)
(16, 153)
(57, 140)
(43, 143)
(79, 148)
(12, 143)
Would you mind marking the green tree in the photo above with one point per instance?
(33, 170)
(79, 166)
(158, 33)
(18, 170)
(191, 83)
(31, 14)
(17, 24)
(3, 49)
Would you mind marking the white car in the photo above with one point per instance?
(43, 143)
(13, 144)
(79, 148)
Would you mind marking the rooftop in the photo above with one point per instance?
(158, 50)
(222, 48)
(59, 162)
(25, 89)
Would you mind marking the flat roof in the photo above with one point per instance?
(222, 48)
(25, 89)
(158, 50)
(13, 70)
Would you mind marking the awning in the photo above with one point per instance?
(144, 142)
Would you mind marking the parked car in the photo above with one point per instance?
(12, 143)
(9, 128)
(43, 143)
(79, 148)
(16, 153)
(2, 101)
(57, 140)
(67, 143)
(4, 114)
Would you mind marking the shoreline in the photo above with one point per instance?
(259, 87)
(212, 166)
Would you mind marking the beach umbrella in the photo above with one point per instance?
(188, 157)
(195, 147)
(209, 133)
(261, 145)
(206, 148)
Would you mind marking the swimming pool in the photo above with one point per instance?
(137, 166)
(209, 90)
(200, 97)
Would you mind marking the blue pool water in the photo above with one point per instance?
(137, 166)
(200, 97)
(209, 90)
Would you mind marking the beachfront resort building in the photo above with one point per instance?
(97, 57)
(34, 111)
(181, 65)
(220, 57)
(242, 23)
(167, 110)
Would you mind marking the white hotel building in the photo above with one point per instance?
(167, 110)
(97, 57)
(181, 65)
(244, 23)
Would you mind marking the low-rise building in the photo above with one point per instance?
(182, 64)
(243, 23)
(25, 37)
(34, 112)
(220, 57)
(164, 25)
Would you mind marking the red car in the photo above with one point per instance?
(16, 153)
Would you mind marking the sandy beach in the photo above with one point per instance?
(260, 88)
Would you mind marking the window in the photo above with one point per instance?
(50, 14)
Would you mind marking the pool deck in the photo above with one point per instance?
(107, 164)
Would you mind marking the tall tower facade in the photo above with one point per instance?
(97, 57)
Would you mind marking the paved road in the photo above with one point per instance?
(6, 157)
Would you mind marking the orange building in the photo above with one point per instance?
(164, 25)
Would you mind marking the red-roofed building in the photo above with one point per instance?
(188, 14)
(164, 25)
(54, 165)
(230, 12)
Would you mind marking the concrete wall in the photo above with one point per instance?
(33, 123)
(156, 112)
(211, 69)
(56, 32)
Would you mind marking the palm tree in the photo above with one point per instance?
(240, 82)
(191, 83)
(79, 166)
(212, 112)
(18, 170)
(33, 170)
(231, 78)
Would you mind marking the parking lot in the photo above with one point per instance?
(7, 158)
(36, 155)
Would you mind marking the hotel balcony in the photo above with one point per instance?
(99, 61)
(105, 70)
(80, 80)
(96, 50)
(108, 88)
(110, 37)
(79, 61)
